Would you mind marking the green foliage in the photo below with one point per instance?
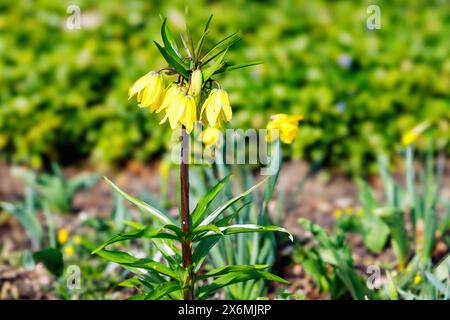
(359, 89)
(166, 279)
(334, 252)
(55, 191)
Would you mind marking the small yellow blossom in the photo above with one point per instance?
(217, 108)
(63, 235)
(196, 83)
(417, 279)
(411, 136)
(211, 137)
(182, 111)
(69, 251)
(286, 125)
(338, 213)
(149, 89)
(349, 211)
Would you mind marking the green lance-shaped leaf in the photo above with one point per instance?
(227, 269)
(236, 277)
(205, 201)
(210, 218)
(126, 259)
(227, 68)
(170, 44)
(172, 61)
(163, 289)
(242, 228)
(393, 217)
(220, 47)
(147, 232)
(142, 205)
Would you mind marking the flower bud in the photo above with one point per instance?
(196, 82)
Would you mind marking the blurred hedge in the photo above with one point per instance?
(64, 92)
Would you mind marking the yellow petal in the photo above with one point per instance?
(190, 114)
(140, 84)
(169, 96)
(176, 110)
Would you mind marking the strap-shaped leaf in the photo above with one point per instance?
(220, 46)
(213, 68)
(170, 45)
(142, 205)
(236, 277)
(199, 231)
(126, 259)
(147, 232)
(227, 68)
(246, 228)
(163, 289)
(209, 219)
(204, 202)
(227, 269)
(171, 61)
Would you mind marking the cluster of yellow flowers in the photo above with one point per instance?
(63, 239)
(348, 211)
(180, 101)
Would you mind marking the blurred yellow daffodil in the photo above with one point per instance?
(149, 89)
(63, 235)
(338, 213)
(217, 108)
(411, 136)
(286, 125)
(211, 137)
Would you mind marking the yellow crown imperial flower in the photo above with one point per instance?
(171, 93)
(63, 235)
(196, 82)
(211, 137)
(181, 110)
(217, 108)
(286, 125)
(149, 89)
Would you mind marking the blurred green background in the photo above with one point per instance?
(63, 93)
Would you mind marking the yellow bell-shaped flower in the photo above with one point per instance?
(286, 125)
(149, 89)
(182, 111)
(217, 108)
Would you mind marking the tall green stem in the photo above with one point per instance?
(186, 249)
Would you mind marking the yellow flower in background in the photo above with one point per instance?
(338, 213)
(286, 125)
(149, 89)
(349, 211)
(411, 136)
(63, 235)
(211, 137)
(69, 251)
(182, 110)
(217, 108)
(196, 83)
(417, 279)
